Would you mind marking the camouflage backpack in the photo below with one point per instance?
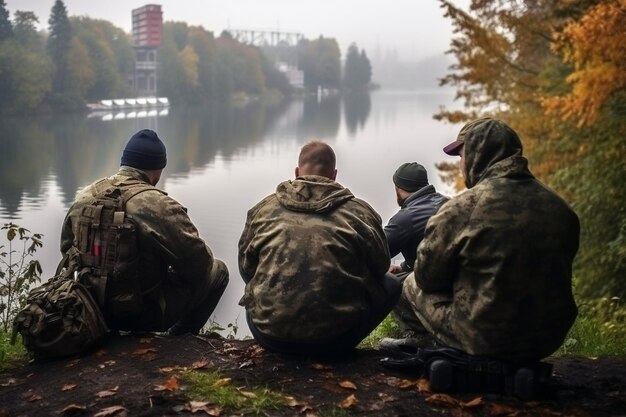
(106, 242)
(96, 283)
(60, 317)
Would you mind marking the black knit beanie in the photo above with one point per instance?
(144, 150)
(411, 176)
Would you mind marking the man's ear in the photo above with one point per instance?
(297, 172)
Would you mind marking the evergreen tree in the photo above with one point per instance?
(357, 70)
(6, 30)
(59, 43)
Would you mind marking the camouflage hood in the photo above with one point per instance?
(312, 193)
(487, 144)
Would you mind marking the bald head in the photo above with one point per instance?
(317, 158)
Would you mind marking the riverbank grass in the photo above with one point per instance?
(11, 356)
(219, 391)
(599, 331)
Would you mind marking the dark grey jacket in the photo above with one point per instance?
(405, 229)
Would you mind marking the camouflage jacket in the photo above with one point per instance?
(166, 237)
(313, 257)
(495, 264)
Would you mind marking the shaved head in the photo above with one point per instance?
(317, 158)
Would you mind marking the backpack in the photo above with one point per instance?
(60, 318)
(106, 242)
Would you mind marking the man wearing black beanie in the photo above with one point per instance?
(418, 201)
(163, 277)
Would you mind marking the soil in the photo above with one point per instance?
(139, 375)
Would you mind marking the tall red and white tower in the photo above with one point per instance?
(147, 29)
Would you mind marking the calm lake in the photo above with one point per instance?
(221, 161)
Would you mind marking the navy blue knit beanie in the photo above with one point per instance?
(144, 150)
(410, 176)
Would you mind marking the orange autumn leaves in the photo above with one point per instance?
(595, 45)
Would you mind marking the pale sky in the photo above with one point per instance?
(415, 28)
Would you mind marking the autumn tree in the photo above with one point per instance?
(25, 71)
(111, 58)
(203, 43)
(595, 46)
(555, 72)
(59, 43)
(593, 98)
(320, 60)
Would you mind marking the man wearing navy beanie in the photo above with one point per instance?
(145, 150)
(176, 282)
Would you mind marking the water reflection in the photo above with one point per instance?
(356, 107)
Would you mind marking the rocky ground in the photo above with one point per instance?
(143, 375)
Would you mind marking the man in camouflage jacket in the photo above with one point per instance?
(493, 273)
(180, 280)
(314, 259)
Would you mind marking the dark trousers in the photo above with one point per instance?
(175, 306)
(345, 343)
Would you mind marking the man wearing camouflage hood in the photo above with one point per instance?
(314, 259)
(493, 273)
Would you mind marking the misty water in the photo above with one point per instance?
(221, 161)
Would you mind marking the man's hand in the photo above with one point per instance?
(394, 269)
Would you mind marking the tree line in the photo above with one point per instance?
(80, 60)
(556, 71)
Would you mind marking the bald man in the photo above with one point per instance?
(315, 260)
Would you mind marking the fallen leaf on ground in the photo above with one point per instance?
(248, 394)
(443, 399)
(221, 382)
(349, 401)
(68, 387)
(347, 384)
(501, 410)
(105, 364)
(386, 397)
(292, 402)
(10, 381)
(167, 369)
(255, 351)
(197, 406)
(246, 364)
(476, 402)
(423, 385)
(73, 408)
(72, 363)
(31, 396)
(101, 352)
(321, 367)
(200, 364)
(395, 382)
(107, 393)
(146, 340)
(148, 357)
(116, 410)
(143, 351)
(171, 384)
